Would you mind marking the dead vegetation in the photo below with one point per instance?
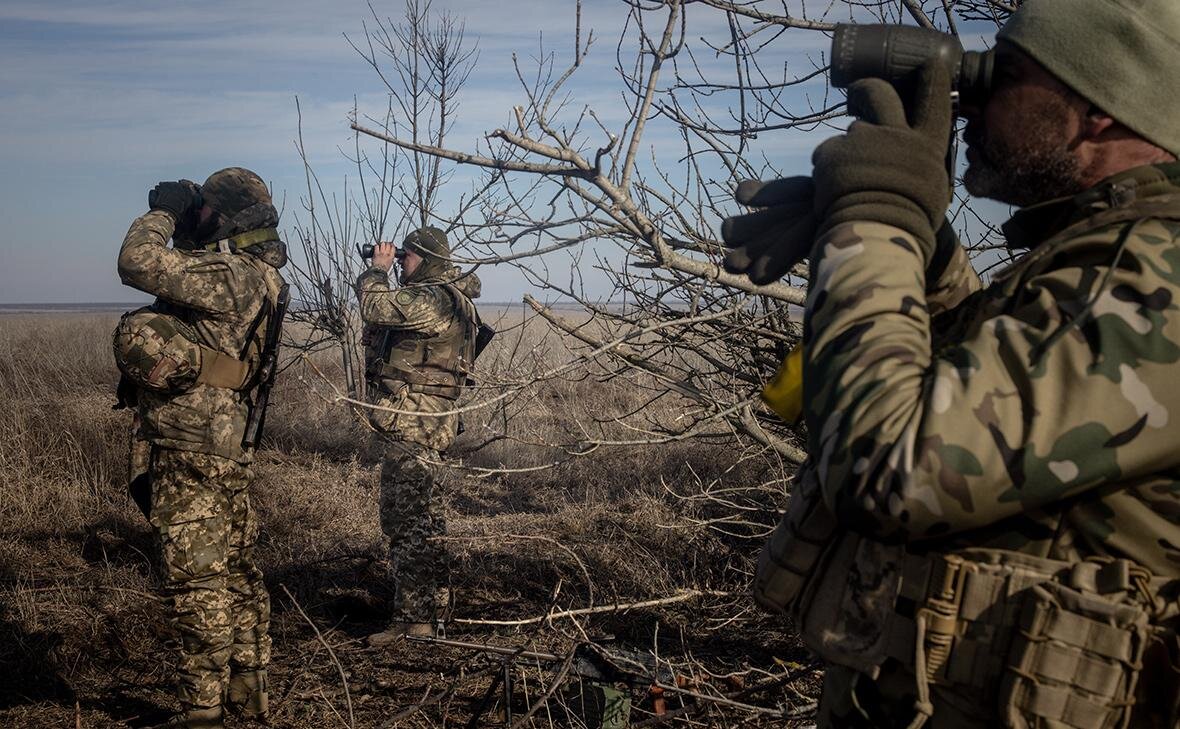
(535, 531)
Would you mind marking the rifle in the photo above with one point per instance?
(266, 370)
(605, 707)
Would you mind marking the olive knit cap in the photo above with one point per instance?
(1122, 55)
(428, 242)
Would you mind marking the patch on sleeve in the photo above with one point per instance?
(405, 298)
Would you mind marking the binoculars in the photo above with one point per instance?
(367, 250)
(894, 52)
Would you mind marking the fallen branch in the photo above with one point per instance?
(682, 597)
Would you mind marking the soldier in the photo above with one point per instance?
(196, 360)
(987, 532)
(421, 344)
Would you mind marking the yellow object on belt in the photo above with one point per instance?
(784, 392)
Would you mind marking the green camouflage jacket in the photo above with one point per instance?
(423, 311)
(1034, 415)
(220, 295)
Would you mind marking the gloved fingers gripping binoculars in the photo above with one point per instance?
(368, 249)
(184, 199)
(767, 242)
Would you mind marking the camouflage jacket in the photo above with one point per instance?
(220, 295)
(1033, 415)
(428, 310)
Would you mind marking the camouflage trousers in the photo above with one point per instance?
(411, 514)
(205, 532)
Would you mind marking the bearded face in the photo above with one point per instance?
(1020, 145)
(1026, 166)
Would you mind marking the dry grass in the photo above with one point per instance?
(82, 638)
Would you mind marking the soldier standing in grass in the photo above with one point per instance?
(987, 532)
(421, 343)
(198, 363)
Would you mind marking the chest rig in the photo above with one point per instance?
(432, 365)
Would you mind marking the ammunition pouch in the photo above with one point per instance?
(1075, 659)
(1048, 643)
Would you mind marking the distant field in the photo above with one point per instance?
(82, 638)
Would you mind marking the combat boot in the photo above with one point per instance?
(397, 631)
(210, 718)
(247, 695)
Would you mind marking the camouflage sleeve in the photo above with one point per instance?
(424, 309)
(957, 281)
(1065, 387)
(207, 283)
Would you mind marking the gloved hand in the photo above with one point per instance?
(768, 242)
(178, 198)
(885, 168)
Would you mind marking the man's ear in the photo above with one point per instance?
(1096, 123)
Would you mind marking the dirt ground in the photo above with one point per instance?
(84, 641)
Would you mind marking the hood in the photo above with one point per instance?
(468, 283)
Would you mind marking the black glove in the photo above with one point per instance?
(178, 198)
(768, 242)
(885, 168)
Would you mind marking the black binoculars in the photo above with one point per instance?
(367, 250)
(894, 52)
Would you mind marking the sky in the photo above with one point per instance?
(100, 100)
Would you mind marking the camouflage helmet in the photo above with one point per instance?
(428, 242)
(232, 190)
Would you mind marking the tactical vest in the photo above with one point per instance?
(436, 365)
(1047, 643)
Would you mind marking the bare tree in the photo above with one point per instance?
(673, 321)
(613, 213)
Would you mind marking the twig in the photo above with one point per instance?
(331, 653)
(686, 595)
(558, 678)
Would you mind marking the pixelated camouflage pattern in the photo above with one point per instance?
(1035, 415)
(218, 295)
(411, 503)
(206, 531)
(423, 309)
(233, 189)
(411, 516)
(423, 334)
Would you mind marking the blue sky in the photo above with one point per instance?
(100, 100)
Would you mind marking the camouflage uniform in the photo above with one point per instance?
(1027, 418)
(199, 470)
(420, 346)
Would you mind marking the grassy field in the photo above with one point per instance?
(83, 641)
